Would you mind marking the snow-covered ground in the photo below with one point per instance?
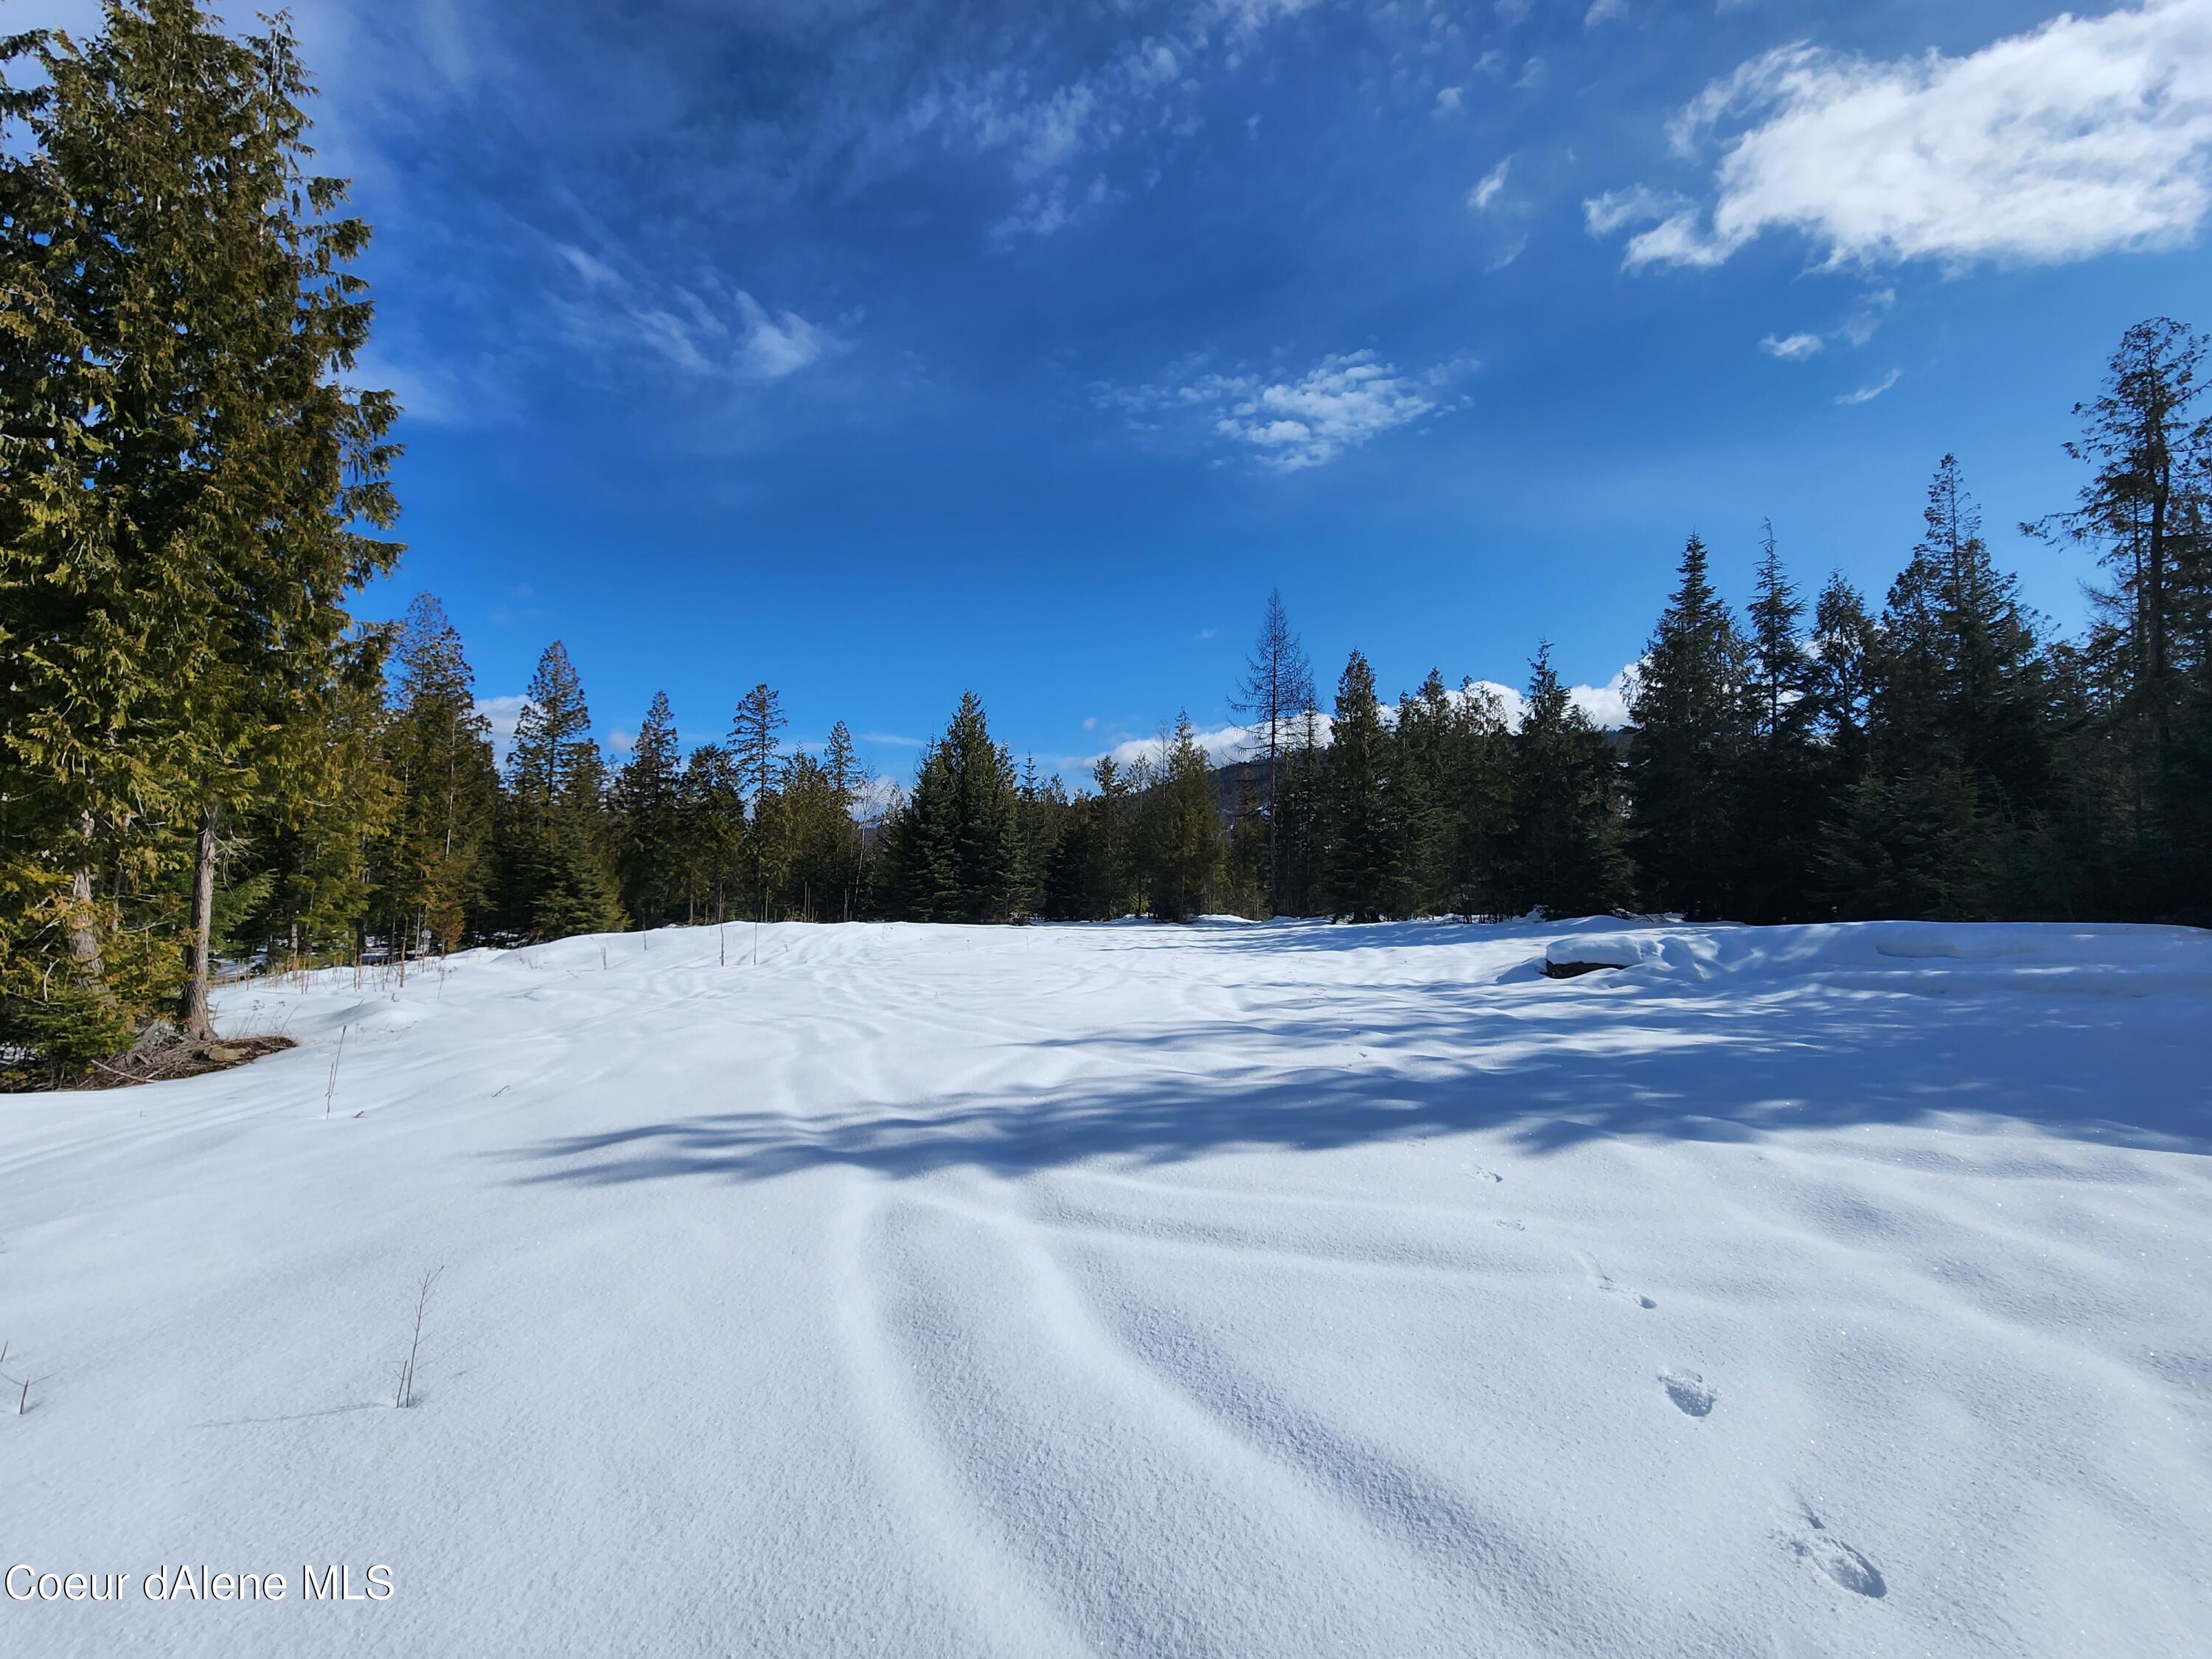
(1237, 1289)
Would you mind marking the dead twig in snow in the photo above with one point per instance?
(336, 1056)
(405, 1395)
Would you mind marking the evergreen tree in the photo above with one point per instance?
(1686, 728)
(435, 863)
(1426, 761)
(754, 741)
(1776, 801)
(1184, 845)
(1481, 781)
(850, 782)
(1302, 807)
(2146, 513)
(1363, 827)
(648, 802)
(1277, 688)
(302, 873)
(807, 826)
(713, 817)
(1839, 682)
(952, 853)
(1956, 731)
(561, 876)
(1091, 878)
(1042, 815)
(1567, 842)
(184, 491)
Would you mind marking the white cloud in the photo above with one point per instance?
(1604, 11)
(501, 713)
(775, 346)
(708, 330)
(1791, 349)
(1637, 204)
(1222, 745)
(2085, 136)
(1606, 705)
(1487, 189)
(1045, 212)
(1867, 394)
(1049, 126)
(1342, 402)
(1450, 100)
(1866, 318)
(596, 272)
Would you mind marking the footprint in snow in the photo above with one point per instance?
(1688, 1391)
(1481, 1174)
(1837, 1558)
(1512, 1226)
(1604, 1282)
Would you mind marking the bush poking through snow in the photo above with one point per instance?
(404, 1395)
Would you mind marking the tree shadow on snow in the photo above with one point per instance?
(1549, 1064)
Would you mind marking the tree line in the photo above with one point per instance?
(204, 755)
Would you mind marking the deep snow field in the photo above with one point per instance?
(1242, 1290)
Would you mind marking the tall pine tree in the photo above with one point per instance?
(1363, 826)
(435, 863)
(647, 806)
(559, 872)
(1567, 856)
(1686, 728)
(189, 498)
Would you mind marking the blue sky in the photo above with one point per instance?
(879, 351)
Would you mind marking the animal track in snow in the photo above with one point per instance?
(1689, 1391)
(1481, 1174)
(1513, 1226)
(1837, 1558)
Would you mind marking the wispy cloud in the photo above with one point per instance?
(702, 329)
(1792, 347)
(1489, 187)
(1288, 424)
(1867, 394)
(2085, 136)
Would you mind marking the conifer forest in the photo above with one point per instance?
(209, 759)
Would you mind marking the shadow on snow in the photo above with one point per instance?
(1528, 1058)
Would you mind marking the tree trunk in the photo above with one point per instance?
(194, 1013)
(84, 929)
